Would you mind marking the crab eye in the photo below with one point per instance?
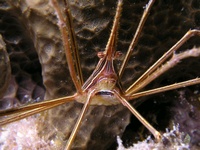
(100, 54)
(118, 54)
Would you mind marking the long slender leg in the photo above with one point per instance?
(144, 78)
(78, 122)
(74, 46)
(21, 109)
(64, 28)
(26, 111)
(136, 36)
(20, 116)
(164, 88)
(155, 133)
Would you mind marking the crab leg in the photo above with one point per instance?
(67, 33)
(156, 134)
(26, 111)
(148, 75)
(74, 46)
(136, 36)
(164, 88)
(78, 122)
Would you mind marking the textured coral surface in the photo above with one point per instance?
(39, 71)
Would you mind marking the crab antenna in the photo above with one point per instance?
(110, 47)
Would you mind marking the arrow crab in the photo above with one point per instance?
(104, 86)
